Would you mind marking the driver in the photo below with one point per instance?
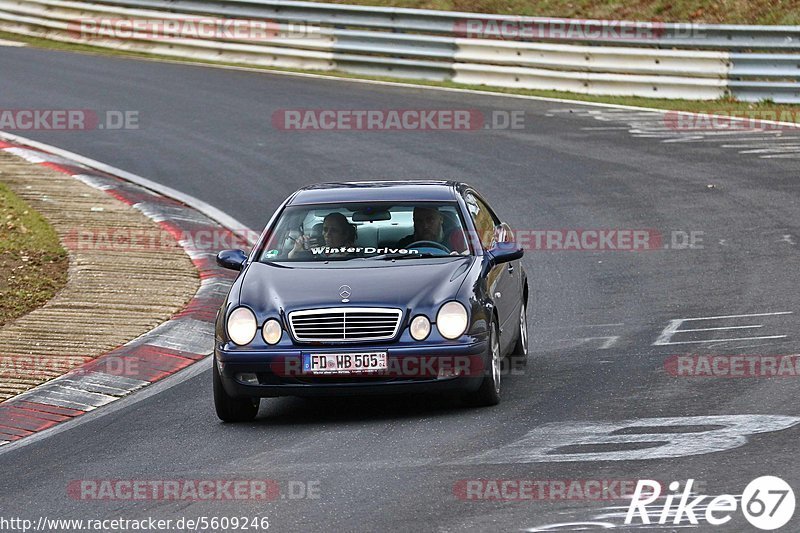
(427, 227)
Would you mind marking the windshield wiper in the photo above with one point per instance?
(386, 257)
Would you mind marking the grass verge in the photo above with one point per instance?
(33, 265)
(705, 11)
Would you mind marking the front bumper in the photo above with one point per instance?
(412, 369)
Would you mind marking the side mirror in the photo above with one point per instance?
(503, 252)
(232, 259)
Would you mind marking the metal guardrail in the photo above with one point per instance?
(690, 61)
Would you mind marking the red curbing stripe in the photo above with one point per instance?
(172, 229)
(144, 362)
(135, 197)
(27, 423)
(15, 431)
(20, 417)
(57, 167)
(46, 408)
(199, 310)
(119, 197)
(163, 358)
(41, 415)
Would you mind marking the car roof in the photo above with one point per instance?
(377, 191)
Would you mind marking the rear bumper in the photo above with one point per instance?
(412, 370)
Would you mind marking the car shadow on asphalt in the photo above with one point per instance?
(291, 411)
(298, 411)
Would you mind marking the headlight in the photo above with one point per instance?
(271, 331)
(242, 326)
(420, 327)
(451, 321)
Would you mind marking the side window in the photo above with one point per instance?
(483, 218)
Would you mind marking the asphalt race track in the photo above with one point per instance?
(597, 318)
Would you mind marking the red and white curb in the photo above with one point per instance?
(185, 339)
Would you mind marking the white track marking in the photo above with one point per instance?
(547, 443)
(781, 156)
(100, 382)
(668, 332)
(721, 328)
(605, 128)
(777, 149)
(613, 517)
(14, 44)
(763, 141)
(654, 512)
(572, 526)
(738, 316)
(608, 341)
(762, 144)
(673, 328)
(724, 340)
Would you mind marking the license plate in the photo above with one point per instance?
(344, 363)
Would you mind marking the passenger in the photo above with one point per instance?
(337, 232)
(316, 236)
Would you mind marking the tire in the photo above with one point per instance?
(488, 393)
(230, 409)
(519, 354)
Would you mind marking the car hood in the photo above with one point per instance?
(424, 284)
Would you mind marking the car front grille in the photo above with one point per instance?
(343, 324)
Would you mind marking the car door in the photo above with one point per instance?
(500, 280)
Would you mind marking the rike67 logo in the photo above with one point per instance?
(767, 503)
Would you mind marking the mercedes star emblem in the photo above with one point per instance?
(345, 291)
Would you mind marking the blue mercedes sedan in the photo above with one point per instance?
(375, 287)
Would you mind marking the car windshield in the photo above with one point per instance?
(374, 231)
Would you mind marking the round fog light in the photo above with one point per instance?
(248, 377)
(271, 331)
(420, 327)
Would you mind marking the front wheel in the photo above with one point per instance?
(230, 409)
(489, 392)
(520, 351)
